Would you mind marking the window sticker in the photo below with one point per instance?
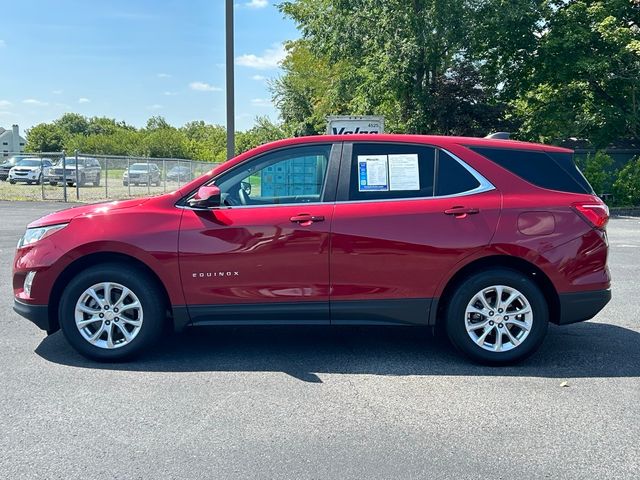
(404, 173)
(372, 173)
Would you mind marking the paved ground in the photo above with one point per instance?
(321, 403)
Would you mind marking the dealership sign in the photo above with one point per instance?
(349, 125)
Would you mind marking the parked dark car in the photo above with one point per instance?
(489, 239)
(88, 171)
(179, 173)
(8, 164)
(147, 173)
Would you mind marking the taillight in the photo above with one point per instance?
(596, 214)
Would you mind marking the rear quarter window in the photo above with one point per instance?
(554, 171)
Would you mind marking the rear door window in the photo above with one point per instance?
(383, 171)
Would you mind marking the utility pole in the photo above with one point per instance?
(231, 123)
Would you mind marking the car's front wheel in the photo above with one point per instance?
(497, 317)
(111, 312)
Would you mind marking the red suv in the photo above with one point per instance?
(491, 239)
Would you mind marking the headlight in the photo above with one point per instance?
(32, 235)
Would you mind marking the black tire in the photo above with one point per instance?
(39, 181)
(96, 182)
(141, 284)
(136, 184)
(12, 182)
(462, 296)
(125, 184)
(82, 180)
(53, 184)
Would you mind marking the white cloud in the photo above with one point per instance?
(34, 102)
(271, 58)
(57, 92)
(257, 3)
(164, 75)
(83, 100)
(4, 103)
(258, 78)
(3, 44)
(155, 106)
(203, 87)
(170, 94)
(261, 102)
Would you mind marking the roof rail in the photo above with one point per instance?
(499, 136)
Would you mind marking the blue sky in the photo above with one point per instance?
(133, 59)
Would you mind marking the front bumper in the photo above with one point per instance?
(25, 177)
(38, 314)
(581, 306)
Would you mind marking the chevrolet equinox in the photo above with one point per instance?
(490, 239)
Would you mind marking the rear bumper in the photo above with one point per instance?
(38, 314)
(581, 306)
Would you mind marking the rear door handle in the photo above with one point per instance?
(461, 212)
(306, 219)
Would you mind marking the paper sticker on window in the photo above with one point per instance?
(372, 173)
(404, 173)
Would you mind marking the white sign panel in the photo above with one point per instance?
(372, 173)
(404, 173)
(350, 125)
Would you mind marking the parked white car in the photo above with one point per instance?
(30, 170)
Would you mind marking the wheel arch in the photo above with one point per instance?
(92, 260)
(492, 262)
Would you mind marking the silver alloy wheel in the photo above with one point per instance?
(498, 318)
(108, 315)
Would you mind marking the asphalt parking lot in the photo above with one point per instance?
(323, 403)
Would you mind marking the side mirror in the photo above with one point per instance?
(207, 196)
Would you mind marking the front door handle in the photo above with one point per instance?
(461, 212)
(305, 219)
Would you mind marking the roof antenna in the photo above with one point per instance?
(499, 136)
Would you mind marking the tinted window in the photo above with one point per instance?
(381, 171)
(552, 171)
(294, 175)
(452, 177)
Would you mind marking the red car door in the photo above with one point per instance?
(263, 257)
(405, 215)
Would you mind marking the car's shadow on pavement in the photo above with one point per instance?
(581, 350)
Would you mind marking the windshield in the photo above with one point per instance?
(29, 163)
(70, 161)
(13, 160)
(139, 166)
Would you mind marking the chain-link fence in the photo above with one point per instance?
(88, 178)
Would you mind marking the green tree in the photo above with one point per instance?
(408, 61)
(263, 131)
(45, 137)
(627, 186)
(598, 169)
(582, 79)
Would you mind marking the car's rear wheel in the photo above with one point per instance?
(96, 182)
(497, 317)
(111, 312)
(53, 183)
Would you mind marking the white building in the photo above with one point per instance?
(11, 141)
